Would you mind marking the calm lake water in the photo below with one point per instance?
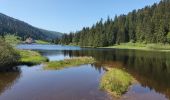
(150, 69)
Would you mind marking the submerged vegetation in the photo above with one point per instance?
(116, 81)
(69, 63)
(31, 57)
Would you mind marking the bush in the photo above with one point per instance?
(12, 39)
(8, 55)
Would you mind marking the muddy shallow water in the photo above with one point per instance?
(150, 69)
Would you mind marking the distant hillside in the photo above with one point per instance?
(24, 30)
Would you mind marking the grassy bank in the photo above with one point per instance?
(31, 57)
(141, 46)
(9, 56)
(41, 42)
(68, 63)
(116, 82)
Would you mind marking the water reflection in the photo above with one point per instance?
(8, 79)
(76, 83)
(151, 69)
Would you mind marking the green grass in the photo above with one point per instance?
(31, 57)
(57, 65)
(159, 46)
(142, 46)
(41, 42)
(116, 81)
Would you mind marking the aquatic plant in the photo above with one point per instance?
(116, 81)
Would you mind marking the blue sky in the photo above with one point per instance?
(68, 15)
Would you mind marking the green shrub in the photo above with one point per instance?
(168, 37)
(8, 55)
(12, 39)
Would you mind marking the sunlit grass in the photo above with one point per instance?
(31, 57)
(116, 81)
(159, 46)
(56, 65)
(41, 42)
(142, 46)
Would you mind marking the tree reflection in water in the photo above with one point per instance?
(8, 78)
(151, 69)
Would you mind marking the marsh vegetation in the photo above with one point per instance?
(69, 63)
(116, 81)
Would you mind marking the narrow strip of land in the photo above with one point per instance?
(57, 65)
(140, 46)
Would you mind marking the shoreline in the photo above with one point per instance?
(137, 46)
(126, 48)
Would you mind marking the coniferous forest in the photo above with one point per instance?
(148, 25)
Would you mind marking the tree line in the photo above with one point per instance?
(148, 25)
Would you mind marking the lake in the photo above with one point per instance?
(150, 69)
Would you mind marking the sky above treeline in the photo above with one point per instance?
(68, 15)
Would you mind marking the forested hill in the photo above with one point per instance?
(148, 25)
(24, 30)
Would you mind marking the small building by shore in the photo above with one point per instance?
(29, 40)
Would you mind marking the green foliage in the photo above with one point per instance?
(168, 37)
(12, 39)
(31, 57)
(56, 65)
(116, 81)
(8, 55)
(149, 25)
